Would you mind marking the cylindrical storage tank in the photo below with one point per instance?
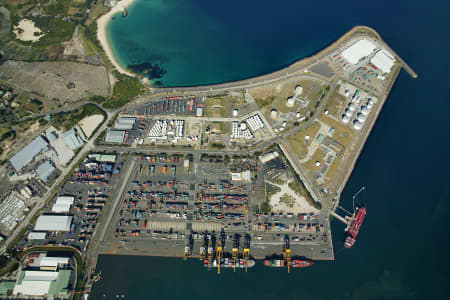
(290, 101)
(365, 110)
(352, 106)
(273, 113)
(345, 119)
(235, 112)
(298, 90)
(357, 125)
(243, 126)
(348, 112)
(361, 117)
(297, 115)
(369, 105)
(284, 124)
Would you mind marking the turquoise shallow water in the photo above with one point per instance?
(402, 250)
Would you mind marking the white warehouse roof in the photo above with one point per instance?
(27, 154)
(383, 60)
(125, 123)
(53, 223)
(53, 261)
(32, 288)
(45, 170)
(36, 235)
(62, 204)
(358, 50)
(115, 136)
(40, 276)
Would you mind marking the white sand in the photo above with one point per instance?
(101, 33)
(89, 124)
(29, 29)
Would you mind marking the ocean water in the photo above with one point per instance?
(402, 251)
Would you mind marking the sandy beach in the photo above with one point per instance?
(101, 33)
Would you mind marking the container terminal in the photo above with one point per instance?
(232, 175)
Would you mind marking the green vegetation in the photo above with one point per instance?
(56, 30)
(66, 120)
(60, 7)
(265, 102)
(124, 91)
(298, 186)
(287, 200)
(217, 146)
(265, 207)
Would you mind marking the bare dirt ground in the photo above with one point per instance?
(65, 81)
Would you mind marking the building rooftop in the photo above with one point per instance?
(115, 136)
(383, 61)
(103, 157)
(63, 204)
(27, 154)
(72, 140)
(53, 223)
(358, 50)
(124, 123)
(45, 170)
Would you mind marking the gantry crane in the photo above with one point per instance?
(246, 250)
(235, 250)
(210, 253)
(188, 248)
(287, 252)
(219, 254)
(203, 247)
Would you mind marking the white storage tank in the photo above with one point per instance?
(357, 125)
(243, 126)
(235, 112)
(290, 101)
(365, 110)
(361, 117)
(298, 90)
(348, 112)
(273, 113)
(345, 119)
(352, 106)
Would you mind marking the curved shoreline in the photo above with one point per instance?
(102, 22)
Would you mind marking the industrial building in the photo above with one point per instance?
(103, 157)
(45, 170)
(358, 50)
(28, 153)
(11, 211)
(115, 136)
(72, 139)
(125, 123)
(43, 283)
(36, 235)
(383, 60)
(53, 223)
(241, 176)
(63, 204)
(268, 156)
(64, 153)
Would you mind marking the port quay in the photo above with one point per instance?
(230, 174)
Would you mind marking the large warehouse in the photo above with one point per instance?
(53, 223)
(63, 204)
(115, 136)
(383, 60)
(358, 50)
(27, 154)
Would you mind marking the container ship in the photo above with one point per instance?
(354, 226)
(295, 263)
(229, 263)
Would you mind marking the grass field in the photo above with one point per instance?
(298, 140)
(335, 104)
(317, 156)
(217, 107)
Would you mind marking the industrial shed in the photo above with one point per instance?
(115, 136)
(63, 204)
(53, 223)
(27, 154)
(383, 60)
(358, 50)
